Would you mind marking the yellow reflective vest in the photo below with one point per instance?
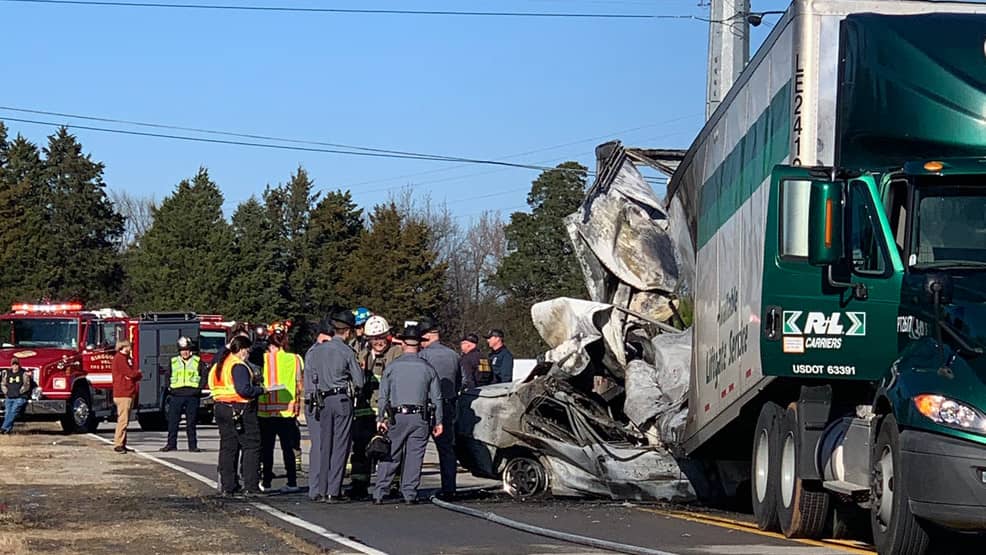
(184, 373)
(284, 368)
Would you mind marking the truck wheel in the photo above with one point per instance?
(765, 467)
(79, 416)
(524, 478)
(895, 529)
(802, 505)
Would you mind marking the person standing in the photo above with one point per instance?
(501, 359)
(469, 363)
(446, 364)
(15, 384)
(126, 381)
(235, 393)
(278, 410)
(331, 368)
(380, 353)
(408, 385)
(186, 378)
(358, 340)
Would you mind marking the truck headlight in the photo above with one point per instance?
(950, 412)
(59, 383)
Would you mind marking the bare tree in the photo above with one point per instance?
(138, 214)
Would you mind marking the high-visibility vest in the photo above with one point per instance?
(184, 373)
(280, 368)
(221, 382)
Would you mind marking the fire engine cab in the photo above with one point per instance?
(69, 353)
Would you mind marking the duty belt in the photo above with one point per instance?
(410, 409)
(332, 391)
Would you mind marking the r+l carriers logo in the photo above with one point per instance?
(820, 330)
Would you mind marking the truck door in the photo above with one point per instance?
(837, 321)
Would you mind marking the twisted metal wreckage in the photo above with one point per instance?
(600, 412)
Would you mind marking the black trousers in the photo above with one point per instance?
(190, 406)
(232, 442)
(286, 430)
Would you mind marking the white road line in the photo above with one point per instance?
(281, 515)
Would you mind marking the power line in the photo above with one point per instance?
(366, 11)
(535, 151)
(284, 147)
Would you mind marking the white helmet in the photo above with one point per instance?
(376, 326)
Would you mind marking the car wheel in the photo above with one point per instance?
(524, 478)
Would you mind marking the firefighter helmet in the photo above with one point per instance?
(376, 326)
(361, 315)
(184, 343)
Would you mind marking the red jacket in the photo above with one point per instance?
(125, 378)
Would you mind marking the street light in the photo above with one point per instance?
(756, 18)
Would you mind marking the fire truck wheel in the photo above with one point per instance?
(79, 417)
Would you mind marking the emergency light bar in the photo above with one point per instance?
(60, 307)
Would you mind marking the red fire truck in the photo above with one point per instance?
(69, 353)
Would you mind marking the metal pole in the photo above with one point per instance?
(729, 48)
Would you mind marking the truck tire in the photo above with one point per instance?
(895, 528)
(79, 418)
(765, 466)
(802, 505)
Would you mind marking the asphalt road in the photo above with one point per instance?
(426, 528)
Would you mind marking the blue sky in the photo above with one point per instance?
(473, 87)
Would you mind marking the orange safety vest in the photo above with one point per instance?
(221, 382)
(281, 367)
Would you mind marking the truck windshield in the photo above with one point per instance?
(949, 226)
(211, 341)
(60, 333)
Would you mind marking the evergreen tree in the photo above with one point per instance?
(83, 230)
(257, 282)
(186, 259)
(289, 210)
(22, 213)
(333, 235)
(541, 262)
(393, 270)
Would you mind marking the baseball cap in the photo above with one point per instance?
(495, 332)
(472, 338)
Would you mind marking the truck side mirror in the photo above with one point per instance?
(825, 245)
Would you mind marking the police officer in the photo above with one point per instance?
(446, 365)
(331, 367)
(186, 378)
(500, 357)
(380, 353)
(408, 386)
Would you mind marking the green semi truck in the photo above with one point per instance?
(836, 205)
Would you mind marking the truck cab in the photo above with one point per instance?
(874, 301)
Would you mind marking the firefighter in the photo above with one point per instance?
(186, 378)
(332, 371)
(380, 353)
(235, 392)
(408, 388)
(278, 410)
(358, 339)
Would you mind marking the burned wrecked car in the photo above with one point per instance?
(598, 414)
(547, 437)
